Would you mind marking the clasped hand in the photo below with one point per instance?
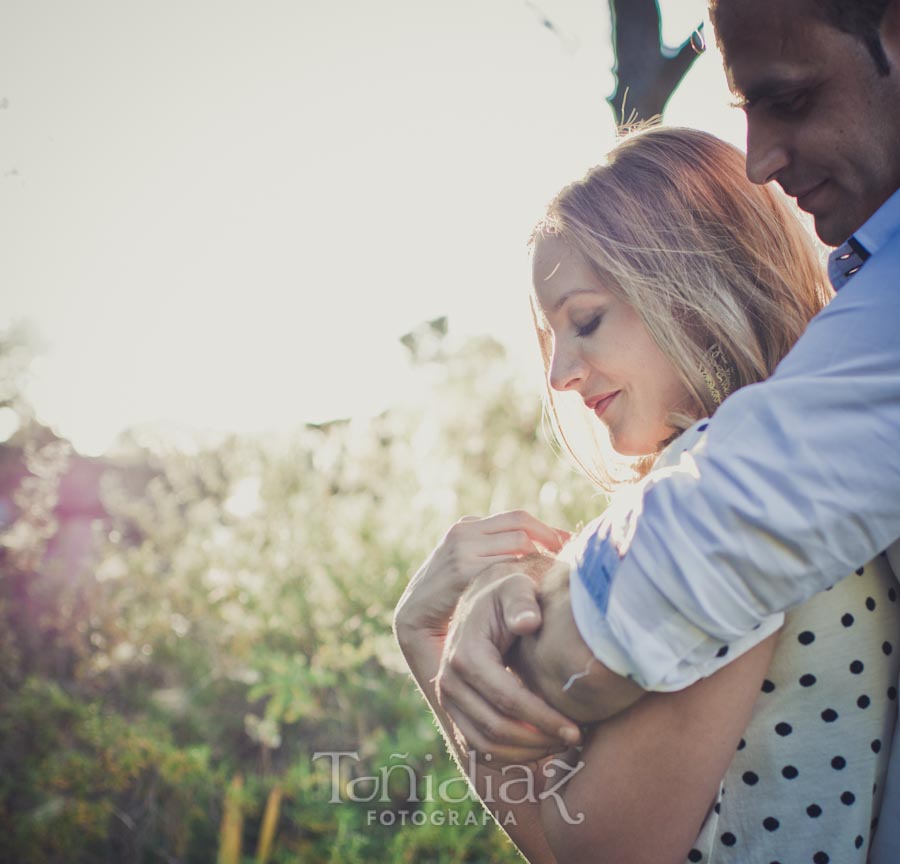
(493, 711)
(477, 577)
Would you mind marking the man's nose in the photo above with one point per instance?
(767, 152)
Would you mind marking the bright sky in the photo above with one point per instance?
(223, 214)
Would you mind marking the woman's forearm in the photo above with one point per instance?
(664, 757)
(509, 793)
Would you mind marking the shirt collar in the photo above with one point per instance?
(882, 225)
(848, 258)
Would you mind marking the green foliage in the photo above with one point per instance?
(234, 617)
(81, 783)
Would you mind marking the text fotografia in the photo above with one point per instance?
(515, 785)
(434, 817)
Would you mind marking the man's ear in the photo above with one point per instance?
(890, 33)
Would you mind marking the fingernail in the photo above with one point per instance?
(569, 734)
(522, 617)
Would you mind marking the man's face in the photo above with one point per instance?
(821, 121)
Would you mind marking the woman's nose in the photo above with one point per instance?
(566, 370)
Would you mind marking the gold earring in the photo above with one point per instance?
(717, 374)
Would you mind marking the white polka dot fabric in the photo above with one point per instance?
(805, 784)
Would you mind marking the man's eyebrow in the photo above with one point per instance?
(766, 88)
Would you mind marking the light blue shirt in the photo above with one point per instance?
(792, 485)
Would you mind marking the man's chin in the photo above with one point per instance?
(844, 216)
(833, 230)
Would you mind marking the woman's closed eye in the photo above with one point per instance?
(588, 327)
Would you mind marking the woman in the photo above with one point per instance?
(662, 282)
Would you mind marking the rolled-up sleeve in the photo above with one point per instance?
(792, 485)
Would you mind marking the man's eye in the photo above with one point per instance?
(588, 327)
(788, 105)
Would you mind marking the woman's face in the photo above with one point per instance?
(602, 350)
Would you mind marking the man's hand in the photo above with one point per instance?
(492, 710)
(555, 662)
(517, 713)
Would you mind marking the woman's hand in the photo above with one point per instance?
(492, 711)
(470, 546)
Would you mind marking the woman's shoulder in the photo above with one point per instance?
(687, 440)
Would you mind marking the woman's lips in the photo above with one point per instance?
(599, 404)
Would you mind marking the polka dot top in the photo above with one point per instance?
(805, 784)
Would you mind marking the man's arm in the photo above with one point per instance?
(491, 631)
(556, 663)
(792, 486)
(665, 755)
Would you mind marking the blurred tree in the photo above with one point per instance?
(233, 617)
(17, 345)
(176, 621)
(647, 71)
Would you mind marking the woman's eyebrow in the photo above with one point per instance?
(568, 295)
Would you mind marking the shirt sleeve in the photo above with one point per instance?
(794, 483)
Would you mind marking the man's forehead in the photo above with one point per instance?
(759, 15)
(759, 24)
(764, 43)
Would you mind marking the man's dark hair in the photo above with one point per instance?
(860, 18)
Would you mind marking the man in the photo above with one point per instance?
(797, 480)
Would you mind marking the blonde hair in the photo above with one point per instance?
(712, 264)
